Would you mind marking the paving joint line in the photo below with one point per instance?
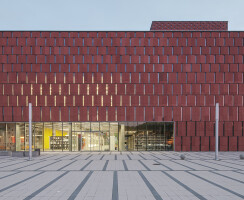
(45, 186)
(10, 186)
(67, 165)
(156, 157)
(10, 174)
(115, 193)
(102, 157)
(234, 163)
(183, 165)
(14, 163)
(163, 165)
(125, 166)
(129, 157)
(142, 157)
(85, 165)
(163, 155)
(184, 186)
(29, 165)
(150, 187)
(144, 165)
(80, 186)
(74, 157)
(217, 185)
(223, 165)
(227, 177)
(105, 165)
(88, 157)
(239, 172)
(48, 165)
(202, 165)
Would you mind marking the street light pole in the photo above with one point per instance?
(216, 131)
(30, 131)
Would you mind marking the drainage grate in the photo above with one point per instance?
(156, 164)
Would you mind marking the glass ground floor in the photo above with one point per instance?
(88, 136)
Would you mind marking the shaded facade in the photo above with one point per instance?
(146, 77)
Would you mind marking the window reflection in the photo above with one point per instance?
(66, 146)
(131, 135)
(114, 136)
(27, 136)
(86, 141)
(10, 137)
(38, 136)
(56, 139)
(48, 129)
(76, 136)
(2, 137)
(95, 126)
(88, 136)
(76, 126)
(104, 135)
(86, 126)
(20, 136)
(141, 137)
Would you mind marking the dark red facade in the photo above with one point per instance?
(189, 26)
(128, 76)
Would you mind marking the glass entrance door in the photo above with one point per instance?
(91, 141)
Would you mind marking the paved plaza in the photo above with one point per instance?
(123, 175)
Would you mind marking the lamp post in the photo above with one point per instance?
(30, 131)
(216, 131)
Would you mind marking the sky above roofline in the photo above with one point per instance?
(115, 15)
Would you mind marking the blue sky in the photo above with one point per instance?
(114, 14)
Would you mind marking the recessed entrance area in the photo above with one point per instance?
(89, 136)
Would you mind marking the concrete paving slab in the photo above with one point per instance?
(123, 175)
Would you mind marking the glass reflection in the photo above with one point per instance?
(131, 135)
(2, 137)
(57, 142)
(95, 141)
(27, 136)
(66, 136)
(38, 136)
(89, 136)
(141, 137)
(86, 141)
(20, 136)
(48, 129)
(95, 126)
(169, 136)
(10, 137)
(86, 126)
(76, 126)
(104, 136)
(76, 137)
(75, 140)
(114, 136)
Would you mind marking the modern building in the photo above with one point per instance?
(123, 90)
